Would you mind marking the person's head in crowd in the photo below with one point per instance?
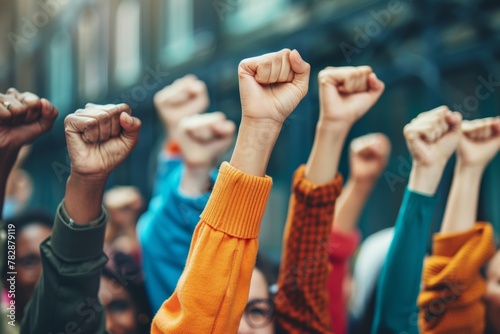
(258, 317)
(124, 205)
(493, 293)
(123, 295)
(32, 227)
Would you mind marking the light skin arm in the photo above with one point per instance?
(203, 139)
(346, 94)
(479, 144)
(432, 138)
(368, 158)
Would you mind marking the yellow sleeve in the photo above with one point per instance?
(451, 297)
(213, 290)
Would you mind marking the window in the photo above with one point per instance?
(127, 43)
(61, 75)
(92, 56)
(247, 16)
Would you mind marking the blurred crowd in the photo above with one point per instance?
(188, 262)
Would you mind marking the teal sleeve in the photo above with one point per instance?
(398, 287)
(65, 299)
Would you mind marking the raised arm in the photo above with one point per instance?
(346, 94)
(23, 117)
(98, 138)
(167, 228)
(368, 157)
(212, 292)
(462, 247)
(432, 138)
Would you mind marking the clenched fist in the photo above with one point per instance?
(99, 138)
(433, 136)
(204, 138)
(23, 117)
(272, 85)
(347, 93)
(184, 97)
(480, 142)
(368, 156)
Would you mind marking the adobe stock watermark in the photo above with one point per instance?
(152, 81)
(402, 175)
(30, 25)
(363, 36)
(483, 91)
(225, 6)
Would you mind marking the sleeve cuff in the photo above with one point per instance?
(237, 203)
(315, 195)
(76, 243)
(448, 244)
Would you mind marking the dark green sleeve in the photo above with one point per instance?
(65, 298)
(396, 308)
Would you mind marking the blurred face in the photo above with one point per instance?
(29, 264)
(493, 291)
(258, 316)
(120, 310)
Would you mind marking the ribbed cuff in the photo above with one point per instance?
(76, 243)
(316, 195)
(237, 203)
(448, 244)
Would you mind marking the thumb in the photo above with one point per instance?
(302, 71)
(131, 126)
(376, 86)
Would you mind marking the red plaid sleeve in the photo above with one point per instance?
(302, 298)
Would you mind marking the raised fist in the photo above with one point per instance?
(184, 97)
(23, 117)
(368, 156)
(204, 138)
(100, 137)
(272, 85)
(433, 136)
(347, 93)
(480, 142)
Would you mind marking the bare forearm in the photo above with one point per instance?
(323, 163)
(83, 199)
(425, 180)
(195, 180)
(7, 161)
(351, 203)
(254, 147)
(461, 209)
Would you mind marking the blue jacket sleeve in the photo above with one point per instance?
(396, 308)
(165, 232)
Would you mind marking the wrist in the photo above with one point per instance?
(469, 171)
(88, 180)
(425, 179)
(336, 127)
(83, 200)
(196, 180)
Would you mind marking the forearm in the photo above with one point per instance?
(196, 180)
(322, 166)
(302, 298)
(461, 209)
(425, 180)
(7, 161)
(83, 199)
(213, 289)
(351, 203)
(67, 290)
(399, 282)
(254, 146)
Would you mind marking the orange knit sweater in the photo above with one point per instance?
(213, 290)
(451, 299)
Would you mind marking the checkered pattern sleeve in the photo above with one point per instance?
(302, 298)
